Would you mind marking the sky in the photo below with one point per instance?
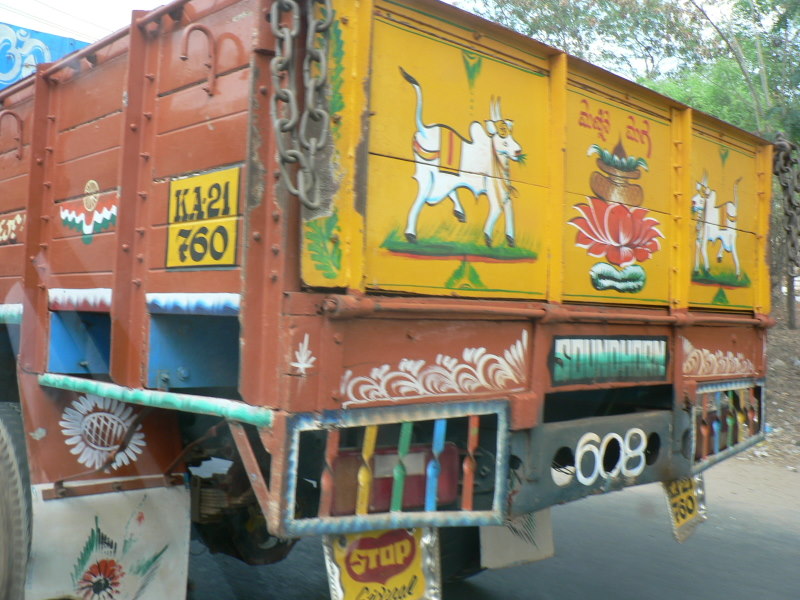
(85, 20)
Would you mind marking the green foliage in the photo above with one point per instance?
(718, 89)
(472, 64)
(621, 163)
(465, 277)
(727, 278)
(632, 37)
(442, 247)
(324, 245)
(336, 75)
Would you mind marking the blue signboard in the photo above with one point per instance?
(22, 49)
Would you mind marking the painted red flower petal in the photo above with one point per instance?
(622, 234)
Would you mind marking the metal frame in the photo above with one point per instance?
(723, 386)
(389, 415)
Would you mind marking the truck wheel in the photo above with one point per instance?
(15, 503)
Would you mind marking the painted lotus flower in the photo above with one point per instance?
(621, 234)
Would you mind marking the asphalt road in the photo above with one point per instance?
(616, 546)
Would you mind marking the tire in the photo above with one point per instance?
(15, 503)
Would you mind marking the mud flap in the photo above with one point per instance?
(395, 563)
(123, 545)
(524, 539)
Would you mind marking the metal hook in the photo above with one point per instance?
(212, 53)
(11, 113)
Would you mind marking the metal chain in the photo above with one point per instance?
(300, 136)
(785, 169)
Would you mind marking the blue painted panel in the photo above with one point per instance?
(193, 351)
(22, 49)
(80, 342)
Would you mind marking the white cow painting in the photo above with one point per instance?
(445, 162)
(716, 221)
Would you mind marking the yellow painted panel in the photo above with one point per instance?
(616, 253)
(332, 237)
(617, 152)
(458, 169)
(203, 222)
(726, 173)
(721, 287)
(725, 210)
(616, 228)
(451, 257)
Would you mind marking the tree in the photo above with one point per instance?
(636, 38)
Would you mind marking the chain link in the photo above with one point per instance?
(300, 135)
(785, 168)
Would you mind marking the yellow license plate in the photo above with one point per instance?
(203, 220)
(686, 498)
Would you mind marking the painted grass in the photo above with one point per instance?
(723, 278)
(438, 247)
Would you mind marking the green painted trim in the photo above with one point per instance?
(609, 297)
(409, 286)
(721, 307)
(619, 105)
(713, 139)
(218, 407)
(529, 70)
(467, 29)
(10, 314)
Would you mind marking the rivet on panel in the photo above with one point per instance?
(137, 282)
(276, 249)
(148, 115)
(140, 230)
(125, 247)
(45, 218)
(140, 257)
(133, 126)
(142, 195)
(337, 338)
(48, 184)
(274, 276)
(150, 76)
(344, 20)
(39, 160)
(43, 246)
(262, 90)
(145, 155)
(256, 236)
(276, 216)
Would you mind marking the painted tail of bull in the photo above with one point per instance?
(418, 91)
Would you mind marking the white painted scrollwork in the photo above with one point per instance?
(701, 361)
(476, 371)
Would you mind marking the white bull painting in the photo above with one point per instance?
(716, 221)
(445, 162)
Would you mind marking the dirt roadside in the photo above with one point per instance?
(782, 446)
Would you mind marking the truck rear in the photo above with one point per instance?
(380, 272)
